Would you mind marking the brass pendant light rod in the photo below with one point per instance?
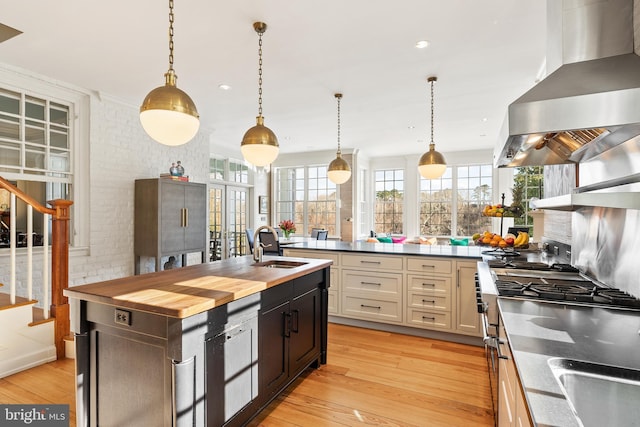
(168, 114)
(338, 97)
(259, 145)
(339, 170)
(432, 164)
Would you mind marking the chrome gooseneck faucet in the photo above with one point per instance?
(258, 245)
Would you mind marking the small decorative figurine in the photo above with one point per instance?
(180, 168)
(173, 170)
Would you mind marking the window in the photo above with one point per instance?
(228, 170)
(452, 204)
(306, 196)
(36, 135)
(474, 192)
(528, 182)
(436, 205)
(389, 187)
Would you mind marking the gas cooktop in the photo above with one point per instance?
(575, 289)
(554, 282)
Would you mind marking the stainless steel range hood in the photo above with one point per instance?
(591, 103)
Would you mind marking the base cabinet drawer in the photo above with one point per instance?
(373, 262)
(429, 302)
(371, 309)
(384, 285)
(430, 265)
(426, 284)
(429, 319)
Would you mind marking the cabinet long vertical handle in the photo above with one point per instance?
(295, 321)
(286, 319)
(186, 217)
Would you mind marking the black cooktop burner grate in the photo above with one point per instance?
(564, 290)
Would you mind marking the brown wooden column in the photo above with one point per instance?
(60, 271)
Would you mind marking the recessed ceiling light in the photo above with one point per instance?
(484, 119)
(224, 87)
(422, 44)
(411, 127)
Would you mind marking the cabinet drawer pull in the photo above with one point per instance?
(428, 284)
(369, 262)
(429, 318)
(429, 300)
(428, 266)
(371, 283)
(370, 306)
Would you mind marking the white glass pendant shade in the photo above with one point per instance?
(259, 144)
(339, 171)
(432, 164)
(169, 115)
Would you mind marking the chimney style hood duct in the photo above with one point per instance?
(591, 103)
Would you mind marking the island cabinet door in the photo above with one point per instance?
(273, 327)
(304, 344)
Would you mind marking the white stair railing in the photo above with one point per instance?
(13, 244)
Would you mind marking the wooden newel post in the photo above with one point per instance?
(60, 271)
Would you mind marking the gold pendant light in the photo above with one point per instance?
(259, 144)
(432, 164)
(167, 114)
(339, 171)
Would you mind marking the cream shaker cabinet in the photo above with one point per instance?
(467, 317)
(170, 219)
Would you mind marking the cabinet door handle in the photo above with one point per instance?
(182, 217)
(186, 217)
(286, 318)
(371, 283)
(295, 319)
(370, 306)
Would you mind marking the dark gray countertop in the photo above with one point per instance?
(538, 331)
(474, 252)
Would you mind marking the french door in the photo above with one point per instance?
(228, 220)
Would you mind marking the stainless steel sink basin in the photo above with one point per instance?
(600, 395)
(279, 264)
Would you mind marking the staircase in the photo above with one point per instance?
(31, 335)
(27, 339)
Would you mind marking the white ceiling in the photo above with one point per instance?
(485, 54)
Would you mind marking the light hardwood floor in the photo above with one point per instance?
(371, 378)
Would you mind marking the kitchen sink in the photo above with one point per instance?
(599, 395)
(279, 264)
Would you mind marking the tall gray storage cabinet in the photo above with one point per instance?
(170, 219)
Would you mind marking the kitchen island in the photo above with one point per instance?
(543, 336)
(204, 345)
(424, 290)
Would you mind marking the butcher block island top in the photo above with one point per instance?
(191, 290)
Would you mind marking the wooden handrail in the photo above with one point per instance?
(59, 260)
(25, 197)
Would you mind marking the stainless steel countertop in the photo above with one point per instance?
(474, 252)
(538, 331)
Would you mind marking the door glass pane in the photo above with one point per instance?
(215, 223)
